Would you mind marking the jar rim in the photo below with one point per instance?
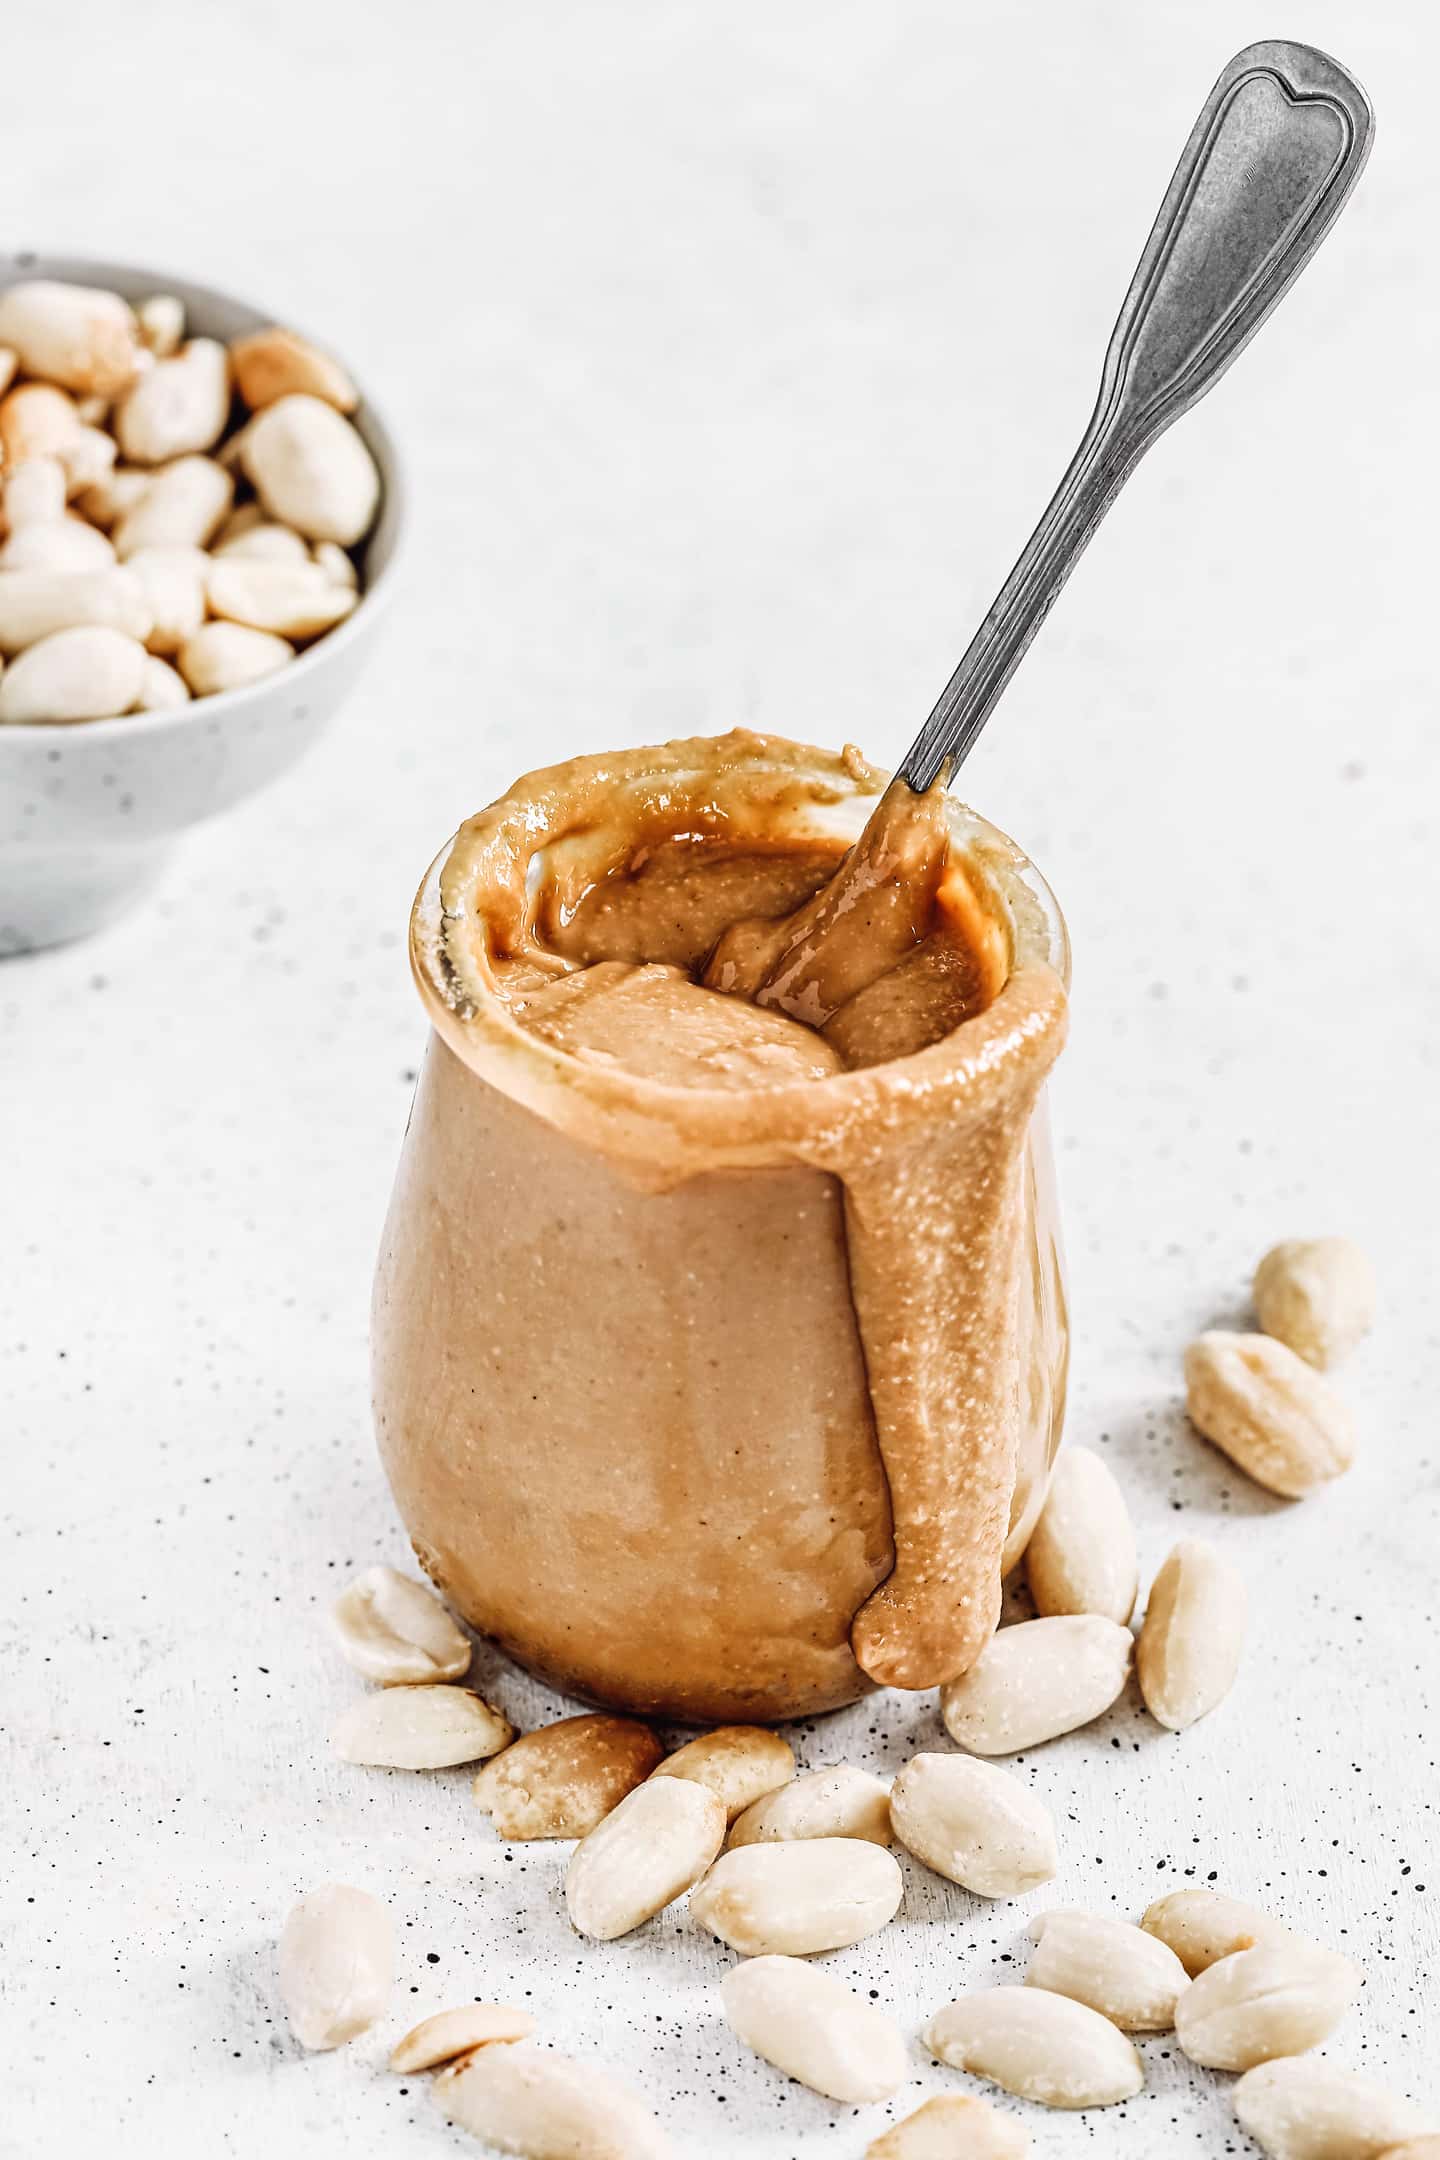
(663, 1131)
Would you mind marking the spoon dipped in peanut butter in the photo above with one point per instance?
(1277, 148)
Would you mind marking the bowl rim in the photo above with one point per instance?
(84, 269)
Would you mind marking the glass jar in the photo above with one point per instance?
(646, 1413)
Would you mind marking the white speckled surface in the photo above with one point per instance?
(736, 351)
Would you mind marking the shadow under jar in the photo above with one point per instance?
(717, 1381)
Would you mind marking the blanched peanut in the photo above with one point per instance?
(956, 2126)
(161, 321)
(311, 470)
(35, 494)
(74, 335)
(974, 1824)
(1193, 1635)
(180, 508)
(1277, 1999)
(9, 362)
(1201, 1926)
(161, 688)
(809, 2025)
(561, 1781)
(295, 601)
(88, 458)
(83, 674)
(739, 1763)
(1262, 1406)
(1316, 1295)
(654, 1845)
(271, 364)
(173, 580)
(799, 1896)
(181, 405)
(112, 495)
(452, 2033)
(336, 1962)
(1081, 1556)
(336, 564)
(1300, 2109)
(420, 1728)
(1038, 2046)
(395, 1630)
(260, 541)
(245, 517)
(1037, 1680)
(226, 656)
(526, 2101)
(92, 411)
(1420, 2148)
(39, 421)
(34, 604)
(36, 421)
(1130, 1977)
(840, 1802)
(66, 544)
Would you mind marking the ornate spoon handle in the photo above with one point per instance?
(1280, 142)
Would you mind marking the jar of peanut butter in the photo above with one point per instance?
(720, 1340)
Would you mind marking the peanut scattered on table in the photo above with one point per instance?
(1270, 1412)
(839, 1802)
(563, 1780)
(654, 1845)
(799, 1895)
(1275, 1999)
(1129, 1976)
(978, 1826)
(807, 1868)
(392, 1629)
(1193, 1635)
(1036, 1680)
(1317, 1295)
(807, 2023)
(739, 1763)
(1300, 2109)
(449, 2034)
(336, 1962)
(1038, 2046)
(1202, 1926)
(420, 1728)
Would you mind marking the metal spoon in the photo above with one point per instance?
(1280, 142)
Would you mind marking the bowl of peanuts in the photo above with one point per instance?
(199, 515)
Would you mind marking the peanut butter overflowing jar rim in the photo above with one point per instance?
(479, 893)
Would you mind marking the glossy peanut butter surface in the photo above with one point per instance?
(715, 1276)
(709, 963)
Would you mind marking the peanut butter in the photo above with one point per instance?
(875, 961)
(689, 1040)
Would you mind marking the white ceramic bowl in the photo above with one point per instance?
(89, 813)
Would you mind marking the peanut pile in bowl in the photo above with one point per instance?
(178, 515)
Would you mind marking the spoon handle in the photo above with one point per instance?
(1280, 142)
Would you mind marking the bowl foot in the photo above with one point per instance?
(50, 895)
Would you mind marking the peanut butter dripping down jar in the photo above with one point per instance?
(704, 1403)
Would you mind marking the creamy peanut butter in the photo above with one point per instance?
(881, 955)
(883, 901)
(715, 1047)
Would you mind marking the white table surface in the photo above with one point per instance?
(736, 350)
